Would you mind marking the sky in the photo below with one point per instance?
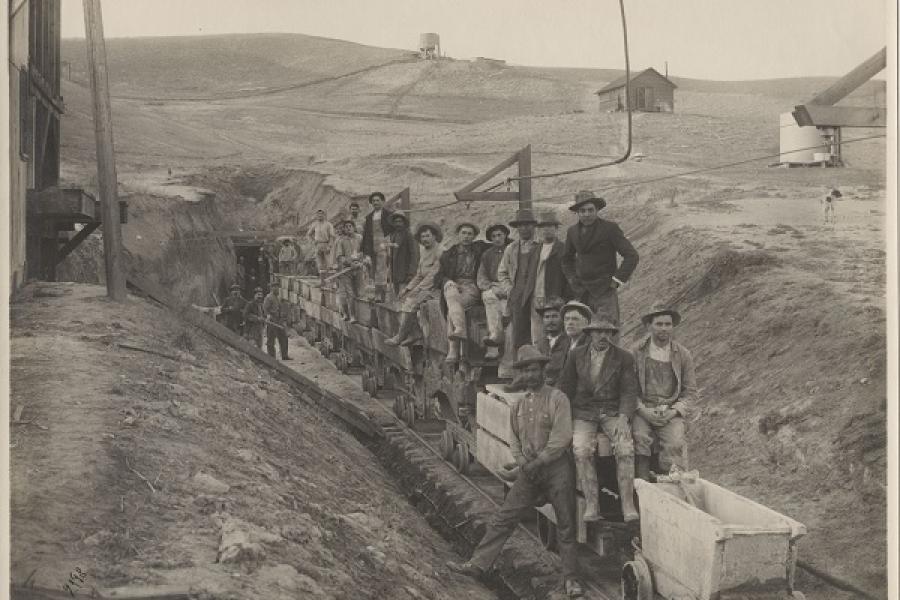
(706, 39)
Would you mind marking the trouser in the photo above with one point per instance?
(323, 249)
(521, 323)
(348, 286)
(286, 267)
(600, 438)
(670, 436)
(603, 302)
(494, 308)
(591, 436)
(273, 332)
(557, 482)
(254, 334)
(459, 296)
(537, 321)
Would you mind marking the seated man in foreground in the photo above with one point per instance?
(541, 424)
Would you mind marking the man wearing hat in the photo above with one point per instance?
(420, 288)
(233, 309)
(601, 381)
(348, 256)
(287, 256)
(456, 278)
(404, 252)
(255, 318)
(278, 319)
(322, 234)
(358, 223)
(492, 293)
(590, 259)
(541, 425)
(554, 342)
(518, 274)
(376, 233)
(550, 281)
(667, 386)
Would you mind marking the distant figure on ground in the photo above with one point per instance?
(287, 256)
(404, 252)
(420, 288)
(589, 262)
(255, 318)
(493, 295)
(828, 206)
(348, 256)
(518, 274)
(456, 278)
(233, 309)
(601, 381)
(321, 232)
(667, 386)
(376, 232)
(278, 319)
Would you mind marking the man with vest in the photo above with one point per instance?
(492, 293)
(278, 319)
(601, 381)
(590, 259)
(233, 309)
(667, 387)
(518, 274)
(255, 318)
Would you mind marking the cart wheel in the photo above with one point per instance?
(463, 460)
(636, 581)
(446, 445)
(546, 532)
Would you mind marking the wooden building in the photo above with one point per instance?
(42, 215)
(650, 92)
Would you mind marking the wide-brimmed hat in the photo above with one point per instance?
(659, 308)
(586, 196)
(433, 227)
(400, 215)
(468, 224)
(354, 203)
(601, 323)
(496, 227)
(523, 217)
(581, 307)
(529, 354)
(548, 217)
(374, 195)
(346, 221)
(234, 287)
(257, 290)
(546, 304)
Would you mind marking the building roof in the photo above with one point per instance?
(620, 82)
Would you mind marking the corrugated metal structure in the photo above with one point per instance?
(650, 92)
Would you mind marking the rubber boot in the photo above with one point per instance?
(584, 467)
(453, 352)
(456, 320)
(492, 352)
(625, 475)
(414, 336)
(405, 326)
(642, 467)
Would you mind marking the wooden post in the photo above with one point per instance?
(525, 171)
(404, 199)
(107, 182)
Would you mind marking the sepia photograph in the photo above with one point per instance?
(454, 299)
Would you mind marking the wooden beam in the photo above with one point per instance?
(505, 164)
(839, 116)
(107, 181)
(852, 80)
(525, 171)
(487, 196)
(73, 243)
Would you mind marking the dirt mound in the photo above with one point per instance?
(200, 470)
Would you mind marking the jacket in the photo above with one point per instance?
(555, 283)
(404, 257)
(429, 263)
(447, 270)
(509, 264)
(558, 353)
(616, 391)
(682, 365)
(589, 261)
(368, 240)
(277, 310)
(487, 271)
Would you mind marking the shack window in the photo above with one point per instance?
(26, 116)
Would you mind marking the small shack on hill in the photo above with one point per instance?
(650, 92)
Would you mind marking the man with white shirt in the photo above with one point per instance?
(550, 281)
(517, 273)
(667, 385)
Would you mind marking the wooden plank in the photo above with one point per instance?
(396, 354)
(525, 171)
(487, 196)
(852, 80)
(71, 204)
(839, 116)
(505, 164)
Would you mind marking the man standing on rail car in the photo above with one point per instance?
(492, 293)
(550, 281)
(589, 261)
(601, 381)
(348, 256)
(287, 256)
(420, 289)
(278, 319)
(321, 232)
(376, 232)
(667, 386)
(233, 309)
(404, 252)
(456, 278)
(518, 273)
(255, 318)
(541, 425)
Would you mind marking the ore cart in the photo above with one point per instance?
(700, 541)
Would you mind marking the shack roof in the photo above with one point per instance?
(620, 82)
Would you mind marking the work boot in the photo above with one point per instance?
(453, 352)
(642, 467)
(625, 475)
(493, 340)
(456, 318)
(403, 332)
(492, 352)
(574, 589)
(584, 467)
(466, 568)
(414, 336)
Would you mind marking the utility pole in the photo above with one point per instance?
(107, 182)
(525, 171)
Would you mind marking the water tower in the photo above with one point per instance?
(429, 45)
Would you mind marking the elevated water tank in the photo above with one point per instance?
(429, 45)
(799, 145)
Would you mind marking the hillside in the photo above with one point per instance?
(785, 315)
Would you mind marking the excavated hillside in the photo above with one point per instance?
(786, 316)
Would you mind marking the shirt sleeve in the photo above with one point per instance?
(560, 431)
(503, 277)
(688, 384)
(568, 261)
(628, 253)
(628, 387)
(515, 446)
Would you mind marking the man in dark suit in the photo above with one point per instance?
(600, 380)
(552, 342)
(590, 259)
(375, 236)
(404, 252)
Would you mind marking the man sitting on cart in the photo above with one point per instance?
(541, 423)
